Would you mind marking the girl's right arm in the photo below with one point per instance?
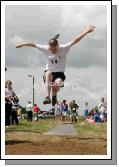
(26, 44)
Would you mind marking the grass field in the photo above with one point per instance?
(84, 129)
(42, 125)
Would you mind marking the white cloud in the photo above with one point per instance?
(16, 40)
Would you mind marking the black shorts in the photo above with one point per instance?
(56, 75)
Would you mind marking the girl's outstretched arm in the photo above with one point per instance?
(26, 44)
(89, 29)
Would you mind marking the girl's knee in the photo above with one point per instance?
(55, 88)
(48, 75)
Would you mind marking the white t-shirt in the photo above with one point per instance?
(55, 62)
(86, 107)
(29, 107)
(102, 107)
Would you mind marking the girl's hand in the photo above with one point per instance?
(18, 46)
(90, 28)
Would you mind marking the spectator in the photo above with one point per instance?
(90, 118)
(86, 109)
(74, 108)
(69, 115)
(96, 116)
(35, 110)
(8, 104)
(64, 109)
(105, 113)
(102, 109)
(11, 100)
(29, 109)
(58, 112)
(19, 113)
(14, 117)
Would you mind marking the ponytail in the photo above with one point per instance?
(56, 37)
(53, 41)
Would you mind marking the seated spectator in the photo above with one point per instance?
(90, 119)
(96, 117)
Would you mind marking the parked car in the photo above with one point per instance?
(46, 114)
(24, 116)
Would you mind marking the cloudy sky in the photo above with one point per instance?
(86, 67)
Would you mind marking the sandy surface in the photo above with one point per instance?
(63, 129)
(30, 143)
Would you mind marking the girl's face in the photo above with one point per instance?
(53, 49)
(8, 85)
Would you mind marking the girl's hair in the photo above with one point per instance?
(53, 41)
(8, 82)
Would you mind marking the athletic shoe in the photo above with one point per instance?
(47, 100)
(54, 100)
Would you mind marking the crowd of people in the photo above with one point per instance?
(98, 114)
(63, 112)
(13, 111)
(66, 113)
(32, 112)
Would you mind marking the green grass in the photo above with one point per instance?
(41, 126)
(84, 129)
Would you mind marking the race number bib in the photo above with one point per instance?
(54, 61)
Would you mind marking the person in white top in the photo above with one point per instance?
(55, 62)
(58, 112)
(29, 109)
(102, 108)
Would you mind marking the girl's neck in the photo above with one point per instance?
(9, 88)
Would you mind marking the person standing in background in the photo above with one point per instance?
(74, 108)
(35, 110)
(86, 110)
(29, 109)
(58, 112)
(102, 109)
(19, 113)
(64, 109)
(8, 104)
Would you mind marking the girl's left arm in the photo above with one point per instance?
(89, 29)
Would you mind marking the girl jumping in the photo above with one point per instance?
(55, 63)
